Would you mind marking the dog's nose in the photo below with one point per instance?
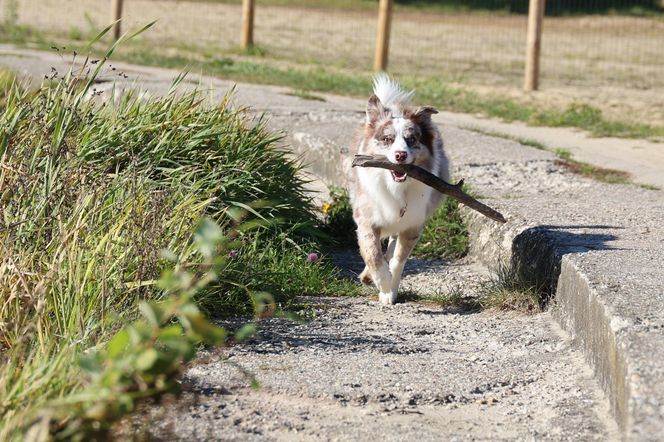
(400, 156)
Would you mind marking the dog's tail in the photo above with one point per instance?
(390, 93)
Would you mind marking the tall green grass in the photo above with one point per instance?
(92, 191)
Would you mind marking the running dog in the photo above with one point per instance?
(388, 204)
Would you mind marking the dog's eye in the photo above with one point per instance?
(387, 139)
(413, 140)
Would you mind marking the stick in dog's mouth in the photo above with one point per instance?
(453, 190)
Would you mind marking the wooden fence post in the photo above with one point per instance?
(383, 35)
(247, 24)
(116, 14)
(533, 44)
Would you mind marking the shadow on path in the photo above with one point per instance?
(537, 252)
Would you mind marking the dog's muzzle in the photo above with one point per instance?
(399, 177)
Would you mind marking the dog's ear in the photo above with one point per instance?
(424, 113)
(375, 110)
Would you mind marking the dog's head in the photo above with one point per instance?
(403, 134)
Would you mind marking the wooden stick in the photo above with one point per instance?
(247, 24)
(533, 44)
(383, 35)
(431, 180)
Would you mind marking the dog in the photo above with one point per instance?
(388, 204)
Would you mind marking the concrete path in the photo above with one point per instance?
(597, 248)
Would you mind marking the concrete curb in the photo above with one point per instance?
(582, 310)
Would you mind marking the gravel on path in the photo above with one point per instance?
(357, 370)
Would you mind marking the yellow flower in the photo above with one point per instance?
(326, 208)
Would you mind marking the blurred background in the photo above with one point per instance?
(608, 53)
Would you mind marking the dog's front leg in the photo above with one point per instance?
(405, 244)
(370, 248)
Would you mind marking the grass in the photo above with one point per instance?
(601, 174)
(445, 236)
(92, 195)
(454, 299)
(306, 95)
(510, 289)
(505, 290)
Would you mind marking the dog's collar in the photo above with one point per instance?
(402, 212)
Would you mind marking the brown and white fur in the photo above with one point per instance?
(387, 204)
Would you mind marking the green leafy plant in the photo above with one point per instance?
(145, 358)
(338, 217)
(445, 235)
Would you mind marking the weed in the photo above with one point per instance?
(453, 299)
(445, 235)
(253, 50)
(507, 289)
(145, 358)
(649, 186)
(75, 33)
(563, 154)
(306, 95)
(602, 174)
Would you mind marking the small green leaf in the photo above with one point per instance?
(118, 343)
(152, 313)
(208, 235)
(170, 332)
(168, 255)
(147, 359)
(90, 364)
(210, 333)
(245, 332)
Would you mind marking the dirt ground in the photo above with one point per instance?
(615, 63)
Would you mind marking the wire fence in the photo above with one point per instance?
(596, 54)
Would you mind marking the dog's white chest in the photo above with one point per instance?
(399, 206)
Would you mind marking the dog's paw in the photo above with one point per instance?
(388, 298)
(365, 277)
